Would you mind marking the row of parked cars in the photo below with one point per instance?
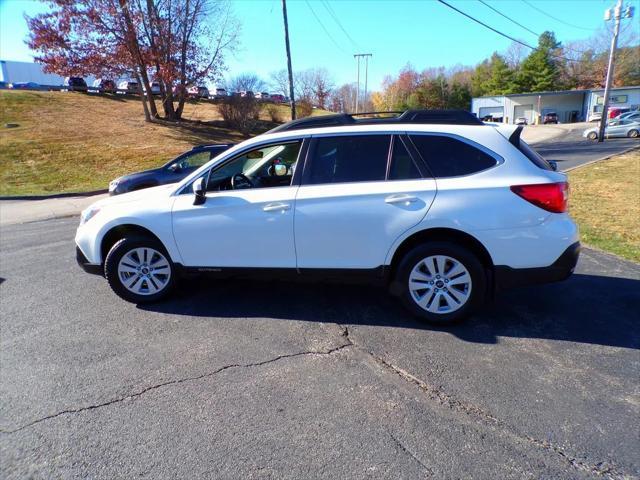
(193, 91)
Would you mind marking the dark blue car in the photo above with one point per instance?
(172, 172)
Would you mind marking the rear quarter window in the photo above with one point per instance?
(450, 157)
(535, 158)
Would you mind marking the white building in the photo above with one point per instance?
(570, 105)
(19, 72)
(14, 72)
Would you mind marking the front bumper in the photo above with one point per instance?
(85, 265)
(508, 277)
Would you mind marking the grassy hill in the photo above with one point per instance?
(71, 142)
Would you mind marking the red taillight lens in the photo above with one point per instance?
(552, 197)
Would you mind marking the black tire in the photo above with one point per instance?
(460, 254)
(115, 255)
(633, 133)
(592, 136)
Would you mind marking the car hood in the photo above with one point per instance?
(139, 175)
(146, 194)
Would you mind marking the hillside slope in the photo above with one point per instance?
(72, 142)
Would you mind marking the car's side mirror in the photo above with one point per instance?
(175, 167)
(554, 165)
(199, 190)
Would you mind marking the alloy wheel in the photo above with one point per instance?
(144, 271)
(440, 284)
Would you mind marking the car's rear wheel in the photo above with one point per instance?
(441, 282)
(139, 270)
(633, 133)
(592, 136)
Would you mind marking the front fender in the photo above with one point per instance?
(157, 220)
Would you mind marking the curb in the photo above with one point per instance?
(55, 195)
(637, 147)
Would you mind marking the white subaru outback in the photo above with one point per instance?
(440, 207)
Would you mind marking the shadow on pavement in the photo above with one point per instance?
(586, 308)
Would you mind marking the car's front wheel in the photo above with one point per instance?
(139, 270)
(441, 282)
(592, 136)
(633, 133)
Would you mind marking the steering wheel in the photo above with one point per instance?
(240, 180)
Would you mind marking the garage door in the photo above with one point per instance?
(495, 112)
(525, 111)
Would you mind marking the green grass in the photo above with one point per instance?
(73, 142)
(605, 201)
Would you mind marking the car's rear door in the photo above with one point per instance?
(359, 193)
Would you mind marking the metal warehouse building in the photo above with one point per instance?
(570, 105)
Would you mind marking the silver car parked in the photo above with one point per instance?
(616, 128)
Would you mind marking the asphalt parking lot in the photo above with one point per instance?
(241, 379)
(571, 149)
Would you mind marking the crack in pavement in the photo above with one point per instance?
(437, 394)
(175, 382)
(409, 453)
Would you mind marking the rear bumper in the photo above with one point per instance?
(85, 265)
(507, 277)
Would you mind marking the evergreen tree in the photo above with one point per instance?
(500, 81)
(479, 79)
(540, 71)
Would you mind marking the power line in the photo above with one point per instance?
(508, 18)
(323, 27)
(557, 19)
(329, 9)
(527, 29)
(498, 31)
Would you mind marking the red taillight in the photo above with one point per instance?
(549, 196)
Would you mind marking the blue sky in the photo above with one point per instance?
(424, 33)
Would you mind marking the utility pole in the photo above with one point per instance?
(366, 80)
(286, 42)
(366, 77)
(617, 15)
(357, 57)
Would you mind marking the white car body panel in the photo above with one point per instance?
(350, 225)
(149, 208)
(237, 228)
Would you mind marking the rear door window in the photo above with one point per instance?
(349, 158)
(450, 157)
(402, 165)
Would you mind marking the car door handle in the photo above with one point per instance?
(273, 207)
(403, 198)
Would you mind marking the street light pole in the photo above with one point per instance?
(617, 14)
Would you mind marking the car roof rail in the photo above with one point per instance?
(209, 145)
(442, 117)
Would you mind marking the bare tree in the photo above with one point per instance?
(514, 55)
(246, 82)
(343, 98)
(279, 82)
(322, 86)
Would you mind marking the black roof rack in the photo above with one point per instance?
(449, 117)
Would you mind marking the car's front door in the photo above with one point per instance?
(247, 217)
(359, 193)
(617, 128)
